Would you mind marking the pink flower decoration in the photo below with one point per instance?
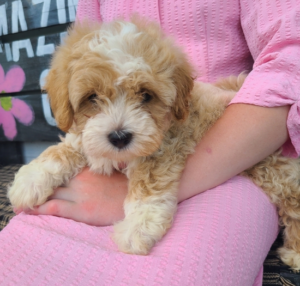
(11, 108)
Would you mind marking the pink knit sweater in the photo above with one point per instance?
(224, 38)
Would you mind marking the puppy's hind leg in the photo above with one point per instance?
(290, 251)
(278, 176)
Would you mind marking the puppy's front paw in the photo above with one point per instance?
(143, 226)
(31, 187)
(133, 238)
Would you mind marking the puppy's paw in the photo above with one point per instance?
(133, 238)
(143, 226)
(290, 257)
(31, 187)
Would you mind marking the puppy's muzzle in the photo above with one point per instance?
(120, 138)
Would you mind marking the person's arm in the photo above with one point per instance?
(244, 135)
(247, 133)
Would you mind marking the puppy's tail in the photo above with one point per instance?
(232, 83)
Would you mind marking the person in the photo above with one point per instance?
(231, 219)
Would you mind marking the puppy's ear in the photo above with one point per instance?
(57, 81)
(57, 89)
(184, 83)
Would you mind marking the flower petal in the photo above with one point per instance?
(2, 75)
(14, 80)
(8, 124)
(22, 111)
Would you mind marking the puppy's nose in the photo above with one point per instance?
(120, 138)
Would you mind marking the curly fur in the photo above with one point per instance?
(129, 77)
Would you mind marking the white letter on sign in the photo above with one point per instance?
(3, 21)
(72, 9)
(45, 102)
(61, 11)
(45, 11)
(18, 13)
(43, 49)
(21, 44)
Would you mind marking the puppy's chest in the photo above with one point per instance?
(107, 166)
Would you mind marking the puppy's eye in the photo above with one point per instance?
(146, 97)
(92, 97)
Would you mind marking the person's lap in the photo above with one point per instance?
(220, 237)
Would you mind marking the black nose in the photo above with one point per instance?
(120, 138)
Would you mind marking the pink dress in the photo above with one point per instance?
(219, 237)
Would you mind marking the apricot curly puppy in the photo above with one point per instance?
(125, 95)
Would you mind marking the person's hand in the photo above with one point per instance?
(90, 198)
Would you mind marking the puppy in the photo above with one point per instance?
(125, 96)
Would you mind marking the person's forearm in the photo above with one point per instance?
(244, 135)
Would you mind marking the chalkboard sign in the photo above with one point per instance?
(32, 55)
(23, 15)
(26, 47)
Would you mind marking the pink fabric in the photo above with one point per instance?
(224, 38)
(259, 277)
(220, 237)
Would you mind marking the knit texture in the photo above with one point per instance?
(225, 38)
(220, 237)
